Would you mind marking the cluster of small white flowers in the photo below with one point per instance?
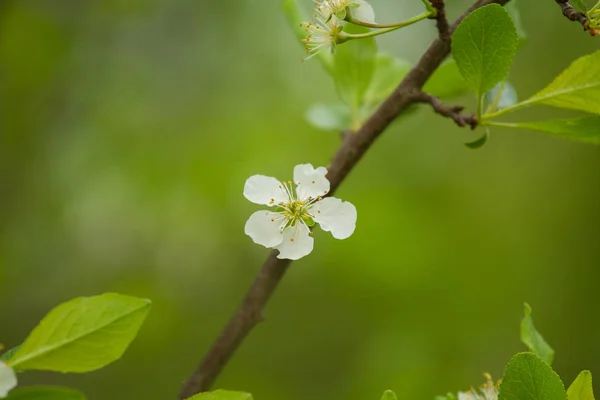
(487, 391)
(325, 33)
(298, 205)
(8, 379)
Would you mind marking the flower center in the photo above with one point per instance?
(296, 210)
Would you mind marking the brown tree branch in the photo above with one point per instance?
(573, 15)
(349, 154)
(442, 23)
(453, 112)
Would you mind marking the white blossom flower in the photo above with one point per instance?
(323, 34)
(360, 9)
(297, 204)
(8, 379)
(487, 391)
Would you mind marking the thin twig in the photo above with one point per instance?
(573, 15)
(453, 112)
(349, 154)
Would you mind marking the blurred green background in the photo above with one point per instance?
(128, 128)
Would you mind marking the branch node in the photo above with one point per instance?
(453, 112)
(442, 22)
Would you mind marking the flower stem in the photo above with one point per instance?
(395, 25)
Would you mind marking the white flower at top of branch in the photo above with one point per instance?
(323, 34)
(487, 391)
(296, 206)
(8, 379)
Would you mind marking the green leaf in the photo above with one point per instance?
(83, 334)
(447, 81)
(579, 4)
(45, 393)
(222, 395)
(527, 377)
(389, 72)
(585, 129)
(478, 143)
(353, 66)
(503, 95)
(333, 117)
(513, 10)
(533, 339)
(295, 16)
(8, 354)
(581, 388)
(484, 46)
(389, 395)
(576, 88)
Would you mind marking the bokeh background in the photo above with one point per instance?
(128, 128)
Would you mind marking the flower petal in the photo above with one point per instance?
(311, 182)
(8, 379)
(264, 227)
(364, 12)
(265, 190)
(296, 242)
(335, 216)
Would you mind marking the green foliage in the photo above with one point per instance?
(389, 71)
(332, 117)
(576, 88)
(478, 143)
(513, 10)
(83, 334)
(446, 81)
(222, 395)
(528, 377)
(8, 354)
(579, 4)
(389, 395)
(484, 45)
(45, 393)
(584, 129)
(581, 388)
(353, 67)
(533, 339)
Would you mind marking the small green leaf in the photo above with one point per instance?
(222, 395)
(513, 10)
(353, 66)
(576, 88)
(333, 117)
(503, 95)
(581, 388)
(484, 46)
(45, 393)
(476, 144)
(527, 377)
(8, 354)
(447, 81)
(295, 16)
(389, 395)
(533, 339)
(389, 72)
(83, 334)
(579, 4)
(448, 396)
(585, 129)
